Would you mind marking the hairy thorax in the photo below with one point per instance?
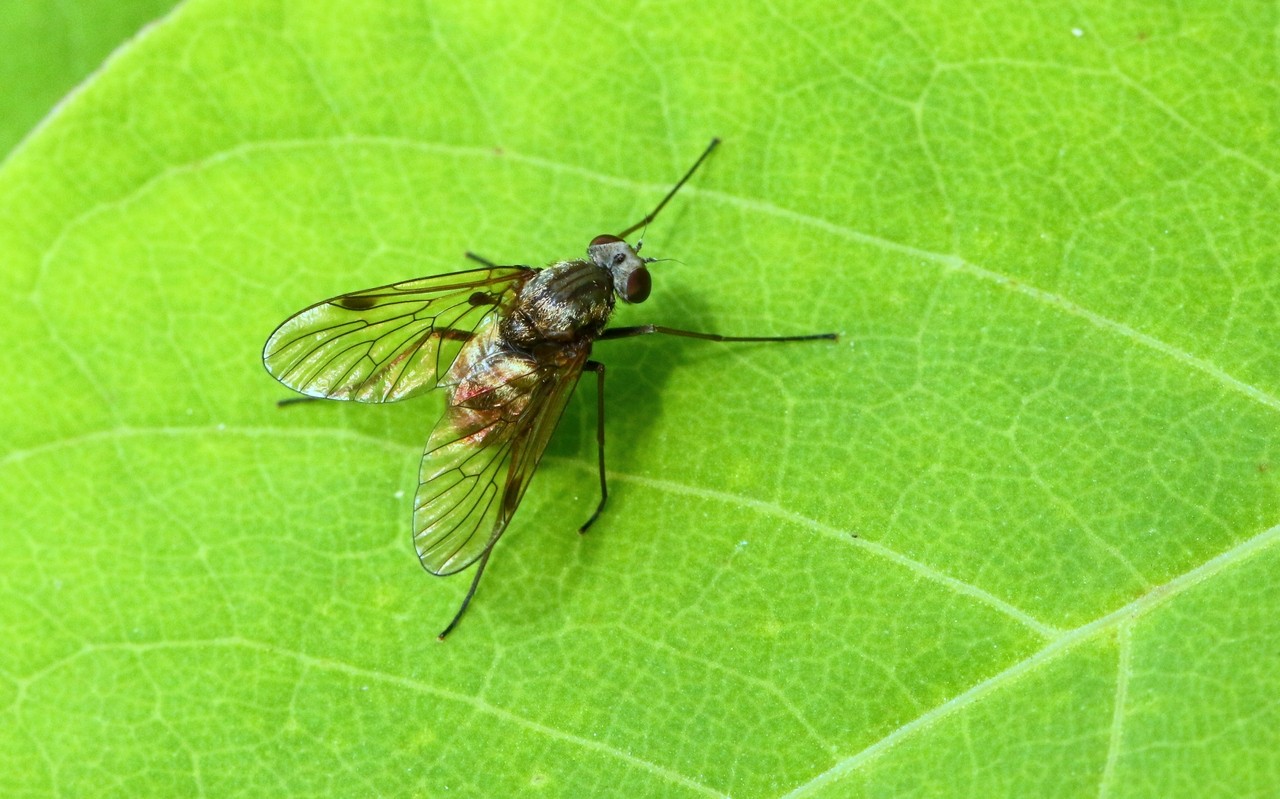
(565, 303)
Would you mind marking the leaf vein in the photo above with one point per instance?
(952, 263)
(1126, 615)
(960, 587)
(406, 683)
(1124, 670)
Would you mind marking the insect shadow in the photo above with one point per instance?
(507, 344)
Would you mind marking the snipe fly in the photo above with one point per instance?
(507, 344)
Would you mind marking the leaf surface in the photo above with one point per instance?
(47, 47)
(1013, 534)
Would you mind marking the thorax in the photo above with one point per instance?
(566, 303)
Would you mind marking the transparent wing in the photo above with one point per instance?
(481, 455)
(391, 342)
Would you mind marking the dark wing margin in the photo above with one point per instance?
(478, 464)
(388, 343)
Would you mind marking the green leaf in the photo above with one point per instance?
(1014, 534)
(46, 47)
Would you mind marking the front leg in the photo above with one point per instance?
(644, 330)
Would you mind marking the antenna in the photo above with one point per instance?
(671, 193)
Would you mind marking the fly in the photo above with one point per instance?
(507, 345)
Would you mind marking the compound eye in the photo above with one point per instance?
(604, 239)
(639, 284)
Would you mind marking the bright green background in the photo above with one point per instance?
(1048, 237)
(48, 46)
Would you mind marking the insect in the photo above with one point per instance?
(507, 345)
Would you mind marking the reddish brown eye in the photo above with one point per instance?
(604, 239)
(638, 286)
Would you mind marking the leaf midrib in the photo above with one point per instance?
(1055, 646)
(1123, 617)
